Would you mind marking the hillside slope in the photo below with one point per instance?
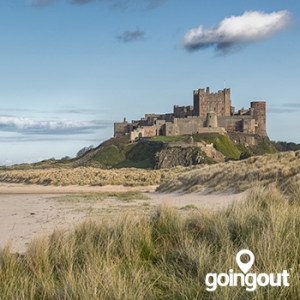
(162, 152)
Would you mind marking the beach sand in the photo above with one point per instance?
(33, 211)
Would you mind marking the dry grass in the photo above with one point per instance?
(161, 256)
(283, 169)
(91, 176)
(94, 197)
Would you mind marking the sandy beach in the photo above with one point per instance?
(32, 211)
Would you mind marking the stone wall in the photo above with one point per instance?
(183, 111)
(187, 125)
(146, 131)
(120, 129)
(245, 139)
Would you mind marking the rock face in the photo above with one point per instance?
(178, 156)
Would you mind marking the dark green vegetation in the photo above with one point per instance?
(161, 256)
(285, 146)
(121, 153)
(231, 150)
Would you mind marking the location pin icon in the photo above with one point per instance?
(245, 267)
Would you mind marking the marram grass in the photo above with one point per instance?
(161, 256)
(91, 176)
(281, 168)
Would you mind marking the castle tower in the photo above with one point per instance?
(259, 114)
(205, 102)
(196, 99)
(211, 120)
(227, 102)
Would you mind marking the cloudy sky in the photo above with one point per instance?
(70, 68)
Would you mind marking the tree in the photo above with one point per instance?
(84, 150)
(66, 158)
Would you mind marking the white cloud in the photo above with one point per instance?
(235, 31)
(19, 123)
(29, 126)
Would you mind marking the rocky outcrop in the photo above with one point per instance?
(180, 156)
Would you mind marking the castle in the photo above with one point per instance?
(211, 112)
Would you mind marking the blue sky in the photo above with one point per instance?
(70, 68)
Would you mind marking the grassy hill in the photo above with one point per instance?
(119, 152)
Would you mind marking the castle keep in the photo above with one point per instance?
(210, 112)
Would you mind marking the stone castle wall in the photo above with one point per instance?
(212, 112)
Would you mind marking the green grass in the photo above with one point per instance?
(109, 156)
(226, 146)
(245, 152)
(161, 256)
(94, 197)
(221, 143)
(123, 154)
(264, 147)
(207, 137)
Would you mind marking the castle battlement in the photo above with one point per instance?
(209, 113)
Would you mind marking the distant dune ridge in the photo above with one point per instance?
(91, 176)
(282, 169)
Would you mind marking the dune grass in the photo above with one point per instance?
(94, 197)
(161, 256)
(91, 176)
(281, 168)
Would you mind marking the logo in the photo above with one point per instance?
(249, 280)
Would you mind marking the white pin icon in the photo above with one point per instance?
(245, 267)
